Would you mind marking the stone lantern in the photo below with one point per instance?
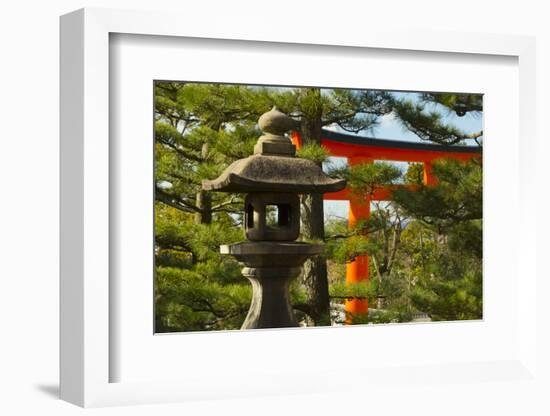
(273, 178)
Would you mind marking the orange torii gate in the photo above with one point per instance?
(359, 149)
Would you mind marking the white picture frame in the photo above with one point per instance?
(85, 220)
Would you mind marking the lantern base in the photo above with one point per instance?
(270, 267)
(270, 306)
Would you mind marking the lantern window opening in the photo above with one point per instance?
(277, 215)
(250, 216)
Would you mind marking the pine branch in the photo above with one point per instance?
(181, 151)
(429, 126)
(219, 207)
(168, 244)
(348, 297)
(459, 103)
(351, 130)
(172, 201)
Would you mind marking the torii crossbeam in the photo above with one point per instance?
(358, 149)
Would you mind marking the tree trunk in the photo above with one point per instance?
(204, 203)
(314, 277)
(203, 199)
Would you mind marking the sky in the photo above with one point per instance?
(390, 128)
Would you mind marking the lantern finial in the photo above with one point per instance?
(275, 124)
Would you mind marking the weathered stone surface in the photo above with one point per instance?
(270, 267)
(273, 167)
(267, 147)
(276, 123)
(288, 216)
(272, 253)
(274, 174)
(270, 306)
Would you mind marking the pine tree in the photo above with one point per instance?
(425, 248)
(443, 244)
(425, 116)
(199, 130)
(315, 108)
(449, 273)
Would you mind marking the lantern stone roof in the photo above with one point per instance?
(274, 174)
(274, 167)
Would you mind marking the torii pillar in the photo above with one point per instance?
(366, 150)
(358, 270)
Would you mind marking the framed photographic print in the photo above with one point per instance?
(355, 184)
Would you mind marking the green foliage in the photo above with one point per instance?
(196, 287)
(188, 299)
(313, 152)
(425, 249)
(447, 299)
(381, 316)
(443, 247)
(363, 178)
(457, 197)
(415, 174)
(447, 276)
(347, 249)
(359, 290)
(459, 103)
(467, 238)
(427, 125)
(355, 110)
(199, 130)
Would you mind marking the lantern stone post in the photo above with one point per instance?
(273, 178)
